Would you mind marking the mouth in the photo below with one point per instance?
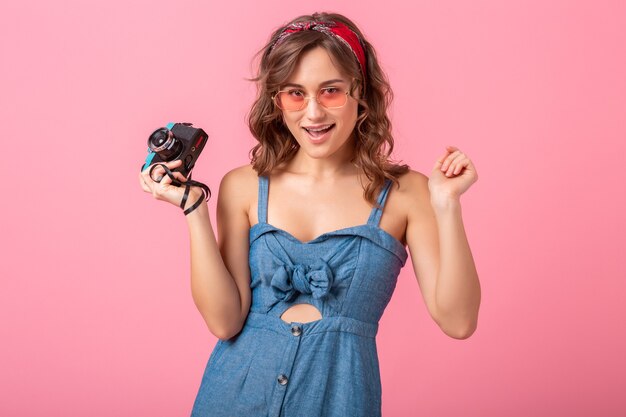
(317, 133)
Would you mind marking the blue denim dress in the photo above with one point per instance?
(328, 367)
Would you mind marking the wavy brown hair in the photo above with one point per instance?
(374, 141)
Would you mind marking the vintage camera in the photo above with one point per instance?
(176, 141)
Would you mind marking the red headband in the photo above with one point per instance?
(336, 29)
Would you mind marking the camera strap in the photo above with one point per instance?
(188, 184)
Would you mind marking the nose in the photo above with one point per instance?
(314, 110)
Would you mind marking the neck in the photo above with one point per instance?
(330, 168)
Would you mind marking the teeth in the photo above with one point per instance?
(321, 129)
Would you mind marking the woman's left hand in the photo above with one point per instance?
(451, 176)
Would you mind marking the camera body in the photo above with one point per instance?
(176, 141)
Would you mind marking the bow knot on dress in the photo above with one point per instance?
(315, 279)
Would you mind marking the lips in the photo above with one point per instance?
(317, 132)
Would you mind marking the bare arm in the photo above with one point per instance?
(442, 259)
(220, 275)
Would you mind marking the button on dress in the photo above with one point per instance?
(328, 367)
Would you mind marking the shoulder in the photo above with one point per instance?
(412, 197)
(238, 188)
(412, 188)
(413, 178)
(413, 201)
(408, 200)
(240, 179)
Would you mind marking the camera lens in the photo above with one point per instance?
(164, 144)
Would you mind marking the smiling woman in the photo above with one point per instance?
(304, 50)
(311, 123)
(313, 235)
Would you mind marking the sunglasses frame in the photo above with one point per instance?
(307, 98)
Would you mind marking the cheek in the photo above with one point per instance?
(349, 119)
(291, 125)
(288, 121)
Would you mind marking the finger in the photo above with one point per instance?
(143, 184)
(449, 159)
(453, 151)
(179, 176)
(145, 175)
(459, 165)
(441, 160)
(149, 168)
(174, 164)
(155, 173)
(454, 163)
(167, 179)
(159, 190)
(159, 171)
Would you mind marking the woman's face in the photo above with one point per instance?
(320, 131)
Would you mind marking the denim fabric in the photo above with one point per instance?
(328, 367)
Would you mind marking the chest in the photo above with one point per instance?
(307, 215)
(308, 212)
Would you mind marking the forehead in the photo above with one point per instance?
(314, 68)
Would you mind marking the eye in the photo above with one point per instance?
(330, 91)
(295, 93)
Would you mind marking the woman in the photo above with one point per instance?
(312, 235)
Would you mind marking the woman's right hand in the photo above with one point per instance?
(161, 188)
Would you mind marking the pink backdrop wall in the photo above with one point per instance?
(96, 316)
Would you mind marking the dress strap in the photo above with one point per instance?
(377, 212)
(263, 193)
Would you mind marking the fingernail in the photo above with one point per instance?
(159, 178)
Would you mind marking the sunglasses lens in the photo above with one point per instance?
(332, 97)
(289, 101)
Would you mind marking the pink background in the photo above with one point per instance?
(95, 307)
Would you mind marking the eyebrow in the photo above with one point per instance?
(335, 81)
